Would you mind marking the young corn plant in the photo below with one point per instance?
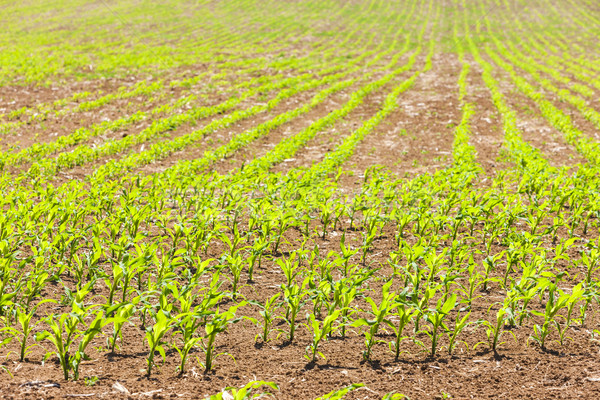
(369, 236)
(188, 323)
(344, 293)
(475, 280)
(557, 299)
(590, 294)
(122, 315)
(434, 261)
(235, 264)
(320, 292)
(293, 298)
(33, 285)
(591, 261)
(489, 265)
(347, 253)
(340, 393)
(380, 313)
(327, 215)
(576, 296)
(113, 284)
(233, 243)
(404, 314)
(459, 325)
(284, 220)
(63, 335)
(217, 323)
(256, 254)
(267, 312)
(248, 392)
(495, 330)
(421, 304)
(436, 316)
(94, 328)
(290, 268)
(320, 330)
(27, 326)
(154, 337)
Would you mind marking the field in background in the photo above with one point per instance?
(314, 194)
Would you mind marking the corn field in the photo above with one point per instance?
(335, 199)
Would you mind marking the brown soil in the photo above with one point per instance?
(53, 127)
(15, 97)
(576, 116)
(222, 136)
(327, 140)
(535, 129)
(428, 109)
(486, 123)
(265, 143)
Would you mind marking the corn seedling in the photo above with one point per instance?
(436, 316)
(340, 393)
(248, 392)
(267, 312)
(320, 330)
(218, 322)
(380, 312)
(154, 337)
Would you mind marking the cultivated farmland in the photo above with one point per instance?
(361, 199)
